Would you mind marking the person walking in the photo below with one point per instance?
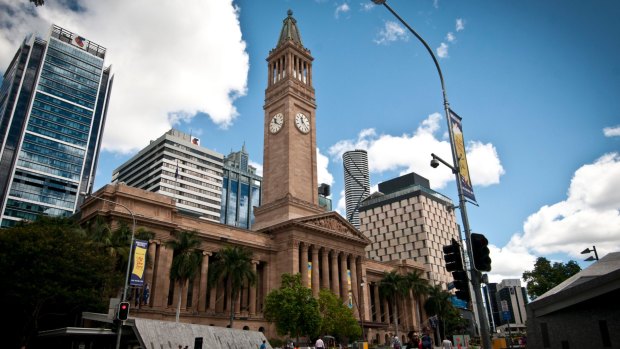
(264, 345)
(446, 344)
(427, 341)
(319, 344)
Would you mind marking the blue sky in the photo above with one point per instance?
(536, 83)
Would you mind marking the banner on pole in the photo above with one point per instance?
(459, 145)
(139, 263)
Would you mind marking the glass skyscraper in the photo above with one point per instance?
(241, 190)
(53, 104)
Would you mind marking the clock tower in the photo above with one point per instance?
(289, 188)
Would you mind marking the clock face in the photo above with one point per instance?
(276, 123)
(302, 123)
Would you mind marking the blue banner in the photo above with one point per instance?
(139, 263)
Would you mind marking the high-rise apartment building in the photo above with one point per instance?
(53, 104)
(176, 165)
(408, 220)
(241, 190)
(356, 182)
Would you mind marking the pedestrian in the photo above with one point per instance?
(446, 344)
(263, 346)
(427, 341)
(319, 344)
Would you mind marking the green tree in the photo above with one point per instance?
(438, 303)
(186, 261)
(233, 264)
(337, 318)
(51, 272)
(393, 287)
(546, 276)
(418, 287)
(293, 309)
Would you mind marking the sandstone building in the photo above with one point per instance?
(291, 232)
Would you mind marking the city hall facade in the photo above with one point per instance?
(291, 232)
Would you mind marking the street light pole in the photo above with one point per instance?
(475, 277)
(129, 258)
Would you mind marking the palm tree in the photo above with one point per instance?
(235, 265)
(392, 287)
(186, 261)
(438, 303)
(418, 286)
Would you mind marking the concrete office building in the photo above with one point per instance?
(408, 220)
(515, 297)
(177, 166)
(53, 104)
(241, 190)
(356, 182)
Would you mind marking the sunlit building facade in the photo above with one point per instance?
(53, 104)
(177, 166)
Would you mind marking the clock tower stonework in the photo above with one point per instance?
(289, 188)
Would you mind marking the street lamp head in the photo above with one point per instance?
(587, 250)
(434, 163)
(590, 259)
(379, 2)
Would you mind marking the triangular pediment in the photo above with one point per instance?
(335, 223)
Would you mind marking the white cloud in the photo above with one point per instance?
(612, 131)
(396, 153)
(321, 168)
(391, 32)
(344, 8)
(341, 206)
(488, 168)
(366, 6)
(460, 24)
(510, 261)
(259, 167)
(442, 50)
(160, 80)
(436, 3)
(450, 37)
(590, 215)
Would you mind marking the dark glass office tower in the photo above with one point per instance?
(241, 190)
(53, 104)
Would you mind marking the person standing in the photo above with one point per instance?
(319, 344)
(427, 341)
(263, 346)
(446, 344)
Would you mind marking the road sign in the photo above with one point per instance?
(506, 315)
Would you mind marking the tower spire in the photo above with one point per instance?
(289, 31)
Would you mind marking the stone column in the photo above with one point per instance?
(304, 265)
(183, 296)
(344, 287)
(325, 268)
(335, 277)
(386, 307)
(238, 302)
(202, 290)
(212, 298)
(149, 276)
(252, 300)
(163, 277)
(378, 312)
(315, 271)
(355, 286)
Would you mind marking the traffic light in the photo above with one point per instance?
(461, 284)
(123, 311)
(480, 251)
(452, 256)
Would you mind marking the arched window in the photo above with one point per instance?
(246, 328)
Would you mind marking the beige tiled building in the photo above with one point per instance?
(408, 220)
